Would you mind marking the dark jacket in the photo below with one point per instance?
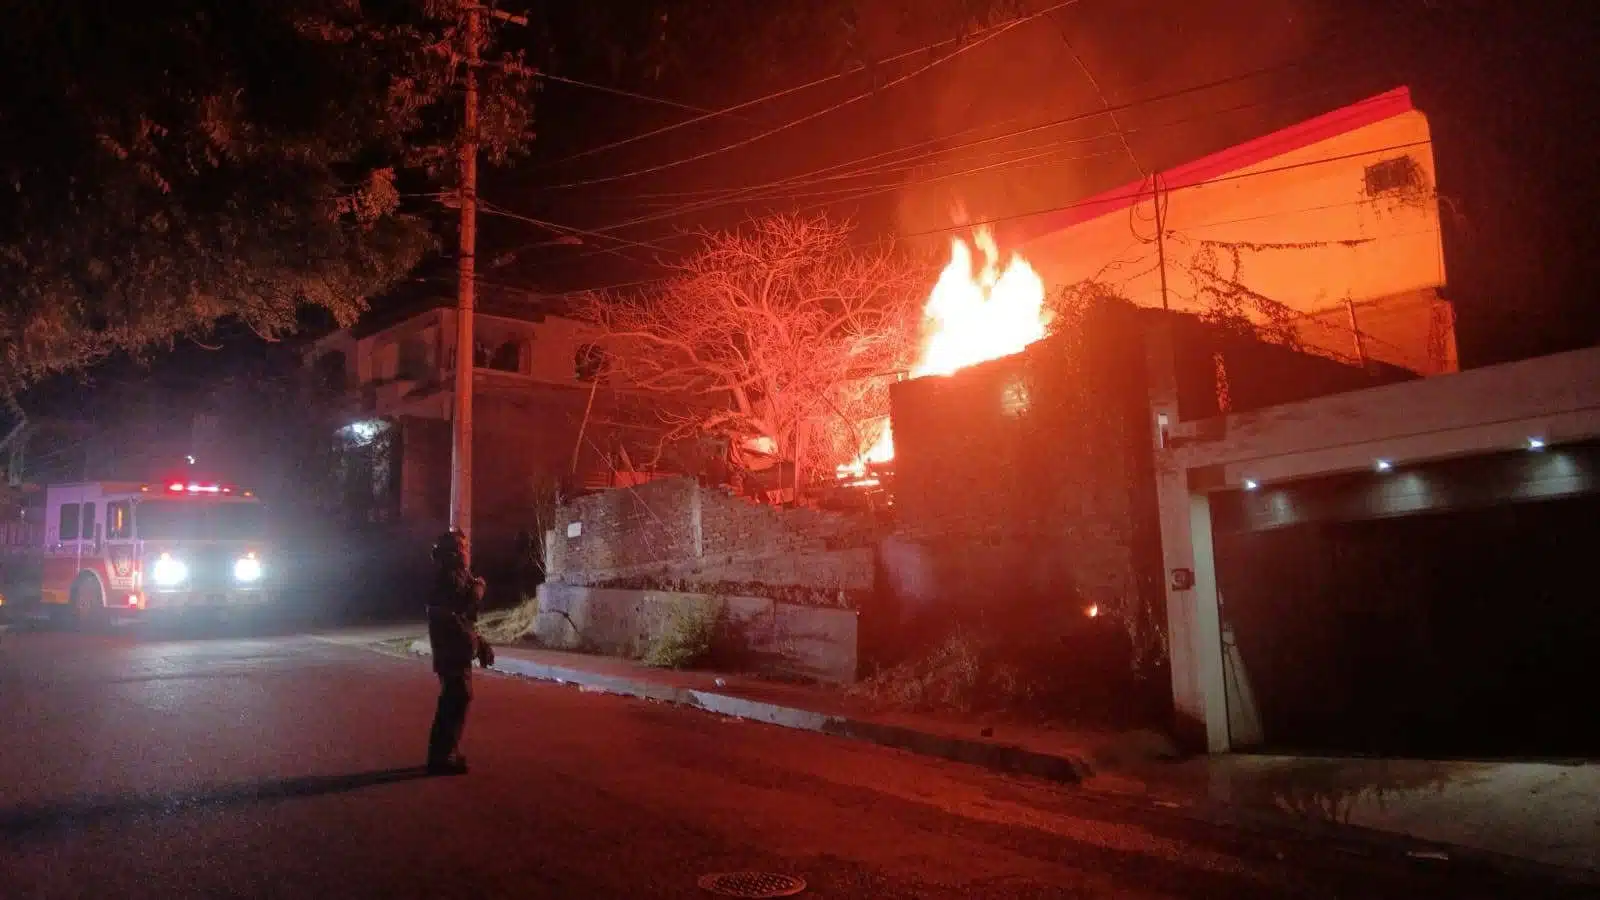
(452, 619)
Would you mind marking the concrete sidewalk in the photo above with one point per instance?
(1057, 754)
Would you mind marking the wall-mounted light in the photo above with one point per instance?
(1535, 443)
(1383, 465)
(1251, 484)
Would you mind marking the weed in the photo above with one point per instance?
(508, 626)
(688, 634)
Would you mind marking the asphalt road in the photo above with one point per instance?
(147, 765)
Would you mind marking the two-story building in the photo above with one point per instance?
(546, 415)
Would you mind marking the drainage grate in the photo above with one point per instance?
(752, 884)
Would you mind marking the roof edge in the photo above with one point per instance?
(1298, 136)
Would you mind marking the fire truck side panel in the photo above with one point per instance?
(71, 536)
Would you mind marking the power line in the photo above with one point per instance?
(740, 194)
(1220, 179)
(856, 194)
(494, 209)
(819, 113)
(1111, 111)
(560, 79)
(775, 95)
(874, 191)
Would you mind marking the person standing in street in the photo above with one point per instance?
(454, 639)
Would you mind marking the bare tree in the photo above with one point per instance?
(783, 336)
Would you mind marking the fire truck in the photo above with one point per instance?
(128, 550)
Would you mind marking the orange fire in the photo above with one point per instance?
(974, 314)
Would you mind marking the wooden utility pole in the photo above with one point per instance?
(461, 420)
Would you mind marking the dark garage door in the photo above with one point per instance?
(1459, 634)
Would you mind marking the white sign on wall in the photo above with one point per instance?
(574, 529)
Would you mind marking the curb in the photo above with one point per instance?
(990, 755)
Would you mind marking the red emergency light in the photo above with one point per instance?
(178, 487)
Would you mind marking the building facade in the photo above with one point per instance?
(1327, 230)
(547, 419)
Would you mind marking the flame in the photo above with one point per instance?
(973, 314)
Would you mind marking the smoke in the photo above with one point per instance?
(1078, 60)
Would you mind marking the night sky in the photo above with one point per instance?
(1508, 89)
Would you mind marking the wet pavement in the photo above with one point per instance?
(177, 765)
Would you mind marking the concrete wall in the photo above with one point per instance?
(677, 529)
(1025, 487)
(1017, 487)
(780, 639)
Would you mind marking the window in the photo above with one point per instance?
(507, 357)
(171, 520)
(119, 520)
(86, 526)
(416, 362)
(67, 529)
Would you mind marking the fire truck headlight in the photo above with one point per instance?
(168, 572)
(247, 568)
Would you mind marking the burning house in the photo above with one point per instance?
(1296, 265)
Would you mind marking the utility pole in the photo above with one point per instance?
(466, 304)
(461, 420)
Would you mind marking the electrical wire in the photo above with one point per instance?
(729, 196)
(561, 79)
(493, 209)
(707, 154)
(766, 98)
(742, 194)
(1065, 207)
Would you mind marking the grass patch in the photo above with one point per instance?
(688, 634)
(399, 645)
(960, 674)
(508, 626)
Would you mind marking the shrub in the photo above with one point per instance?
(688, 634)
(1084, 677)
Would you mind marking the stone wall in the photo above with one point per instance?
(772, 638)
(678, 530)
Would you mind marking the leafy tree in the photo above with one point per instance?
(189, 162)
(793, 328)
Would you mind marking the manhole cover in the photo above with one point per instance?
(752, 884)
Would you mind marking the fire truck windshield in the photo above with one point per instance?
(171, 520)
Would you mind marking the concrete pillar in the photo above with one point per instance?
(1194, 622)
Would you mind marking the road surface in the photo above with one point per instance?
(147, 765)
